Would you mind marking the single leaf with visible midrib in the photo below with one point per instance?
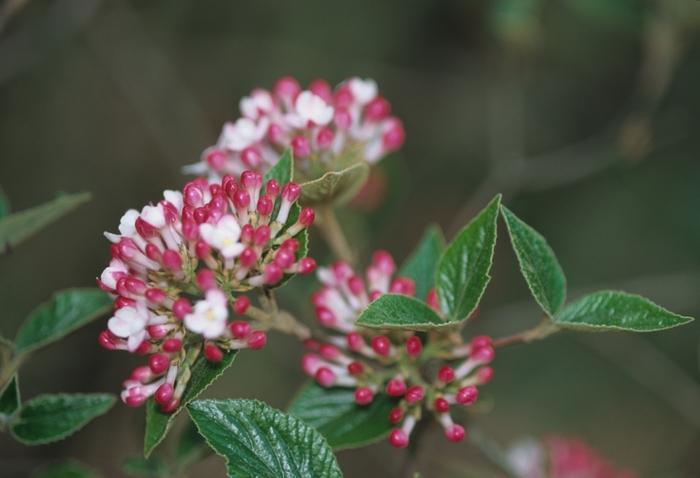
(204, 373)
(66, 311)
(49, 418)
(21, 225)
(422, 263)
(395, 311)
(9, 401)
(283, 170)
(257, 440)
(344, 423)
(538, 264)
(335, 187)
(463, 270)
(614, 310)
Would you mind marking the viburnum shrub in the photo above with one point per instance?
(192, 281)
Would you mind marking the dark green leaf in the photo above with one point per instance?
(613, 310)
(66, 311)
(394, 311)
(151, 467)
(463, 270)
(344, 423)
(190, 447)
(335, 187)
(283, 170)
(9, 401)
(422, 264)
(21, 225)
(49, 418)
(69, 469)
(257, 440)
(538, 264)
(4, 204)
(204, 373)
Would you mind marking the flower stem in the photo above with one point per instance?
(542, 330)
(333, 234)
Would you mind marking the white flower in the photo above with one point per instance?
(174, 198)
(111, 274)
(312, 108)
(209, 315)
(127, 223)
(243, 133)
(363, 91)
(223, 236)
(130, 323)
(153, 215)
(259, 102)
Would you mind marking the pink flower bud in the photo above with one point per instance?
(484, 375)
(381, 345)
(325, 316)
(262, 235)
(241, 199)
(157, 331)
(300, 147)
(240, 305)
(213, 353)
(240, 329)
(265, 206)
(455, 433)
(329, 352)
(467, 395)
(159, 363)
(324, 137)
(364, 396)
(403, 285)
(181, 307)
(398, 438)
(414, 346)
(155, 296)
(105, 340)
(247, 234)
(306, 265)
(480, 341)
(216, 159)
(396, 387)
(394, 135)
(322, 89)
(251, 157)
(171, 406)
(272, 188)
(355, 368)
(291, 192)
(284, 258)
(206, 279)
(257, 340)
(325, 377)
(432, 300)
(484, 354)
(172, 260)
(395, 415)
(248, 257)
(172, 345)
(272, 274)
(192, 194)
(446, 374)
(377, 109)
(441, 405)
(164, 394)
(356, 286)
(355, 341)
(286, 88)
(384, 262)
(414, 394)
(342, 119)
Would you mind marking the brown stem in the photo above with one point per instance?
(542, 330)
(333, 234)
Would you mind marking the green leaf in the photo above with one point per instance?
(66, 311)
(69, 469)
(9, 401)
(394, 311)
(422, 263)
(257, 440)
(335, 187)
(463, 270)
(190, 447)
(614, 310)
(538, 264)
(21, 225)
(344, 423)
(4, 204)
(204, 373)
(152, 467)
(49, 418)
(283, 170)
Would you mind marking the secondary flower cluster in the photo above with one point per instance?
(561, 457)
(393, 364)
(320, 124)
(175, 265)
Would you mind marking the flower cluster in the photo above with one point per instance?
(396, 363)
(320, 125)
(175, 265)
(561, 457)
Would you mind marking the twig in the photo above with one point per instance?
(542, 330)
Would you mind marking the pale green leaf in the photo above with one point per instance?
(464, 268)
(66, 311)
(283, 170)
(257, 440)
(335, 187)
(344, 423)
(394, 311)
(538, 264)
(49, 418)
(21, 225)
(614, 310)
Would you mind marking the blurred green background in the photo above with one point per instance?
(584, 113)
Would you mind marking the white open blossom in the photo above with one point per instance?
(130, 323)
(313, 108)
(209, 315)
(224, 236)
(364, 91)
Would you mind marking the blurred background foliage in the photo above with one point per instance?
(584, 113)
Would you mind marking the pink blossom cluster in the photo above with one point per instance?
(562, 457)
(175, 265)
(374, 363)
(320, 124)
